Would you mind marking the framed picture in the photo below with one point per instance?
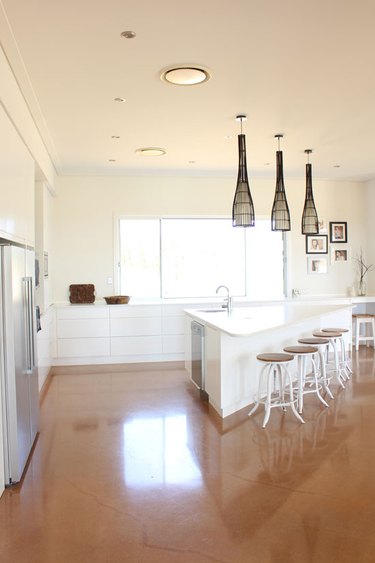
(316, 244)
(339, 254)
(322, 226)
(338, 232)
(317, 265)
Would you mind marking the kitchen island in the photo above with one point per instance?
(232, 342)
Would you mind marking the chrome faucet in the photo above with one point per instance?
(228, 301)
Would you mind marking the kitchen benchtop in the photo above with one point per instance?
(245, 321)
(238, 301)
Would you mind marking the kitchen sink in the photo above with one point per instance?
(212, 310)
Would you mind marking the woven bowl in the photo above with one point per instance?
(117, 299)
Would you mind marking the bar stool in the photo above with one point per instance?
(334, 340)
(365, 320)
(322, 345)
(344, 359)
(306, 382)
(277, 381)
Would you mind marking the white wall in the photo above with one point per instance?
(370, 232)
(87, 208)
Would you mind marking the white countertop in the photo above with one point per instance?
(245, 321)
(238, 301)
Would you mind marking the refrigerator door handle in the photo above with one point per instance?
(29, 307)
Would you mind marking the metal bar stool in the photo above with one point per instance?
(322, 345)
(365, 320)
(306, 382)
(337, 369)
(344, 359)
(275, 388)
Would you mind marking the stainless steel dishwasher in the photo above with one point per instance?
(197, 354)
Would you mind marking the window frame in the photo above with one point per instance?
(117, 256)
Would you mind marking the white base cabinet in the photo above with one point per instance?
(105, 334)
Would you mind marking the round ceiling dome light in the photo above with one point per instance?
(128, 34)
(185, 75)
(151, 151)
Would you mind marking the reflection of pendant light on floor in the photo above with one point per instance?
(310, 225)
(280, 217)
(243, 214)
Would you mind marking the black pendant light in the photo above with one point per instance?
(310, 224)
(280, 216)
(243, 214)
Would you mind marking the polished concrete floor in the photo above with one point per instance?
(131, 466)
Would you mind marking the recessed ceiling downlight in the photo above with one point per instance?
(150, 151)
(185, 75)
(128, 34)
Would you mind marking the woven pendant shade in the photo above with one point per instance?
(243, 214)
(280, 216)
(309, 223)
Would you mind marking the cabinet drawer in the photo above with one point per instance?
(125, 311)
(173, 325)
(82, 347)
(143, 326)
(82, 328)
(136, 345)
(83, 312)
(174, 344)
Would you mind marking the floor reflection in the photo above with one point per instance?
(156, 452)
(134, 466)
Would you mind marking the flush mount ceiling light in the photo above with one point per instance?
(280, 216)
(151, 151)
(128, 34)
(185, 75)
(243, 214)
(310, 223)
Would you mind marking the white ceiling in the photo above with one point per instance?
(305, 69)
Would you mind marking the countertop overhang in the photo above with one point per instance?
(246, 321)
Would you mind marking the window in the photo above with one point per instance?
(176, 258)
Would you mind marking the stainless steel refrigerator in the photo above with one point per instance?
(19, 375)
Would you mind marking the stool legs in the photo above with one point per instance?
(337, 368)
(279, 391)
(345, 366)
(322, 370)
(302, 381)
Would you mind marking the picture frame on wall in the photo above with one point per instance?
(339, 254)
(338, 231)
(316, 244)
(317, 265)
(322, 226)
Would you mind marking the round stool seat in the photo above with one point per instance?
(274, 357)
(335, 330)
(300, 349)
(315, 341)
(363, 315)
(326, 334)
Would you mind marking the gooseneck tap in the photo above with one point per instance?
(228, 301)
